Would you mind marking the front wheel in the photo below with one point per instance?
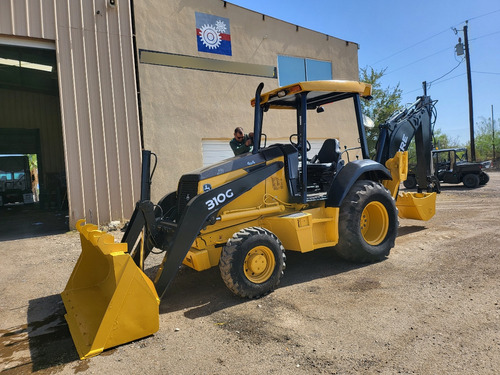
(471, 181)
(252, 262)
(368, 223)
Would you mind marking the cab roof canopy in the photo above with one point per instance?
(456, 149)
(319, 93)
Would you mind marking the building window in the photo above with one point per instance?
(295, 69)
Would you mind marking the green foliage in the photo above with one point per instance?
(33, 161)
(384, 103)
(442, 140)
(483, 137)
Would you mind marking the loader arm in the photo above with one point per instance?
(199, 212)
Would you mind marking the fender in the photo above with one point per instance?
(349, 174)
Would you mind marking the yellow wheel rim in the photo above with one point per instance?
(374, 223)
(259, 264)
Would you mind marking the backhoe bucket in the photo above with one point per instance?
(108, 299)
(417, 206)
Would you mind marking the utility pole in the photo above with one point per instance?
(424, 86)
(469, 86)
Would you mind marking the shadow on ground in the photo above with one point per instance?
(409, 229)
(44, 343)
(27, 221)
(50, 341)
(204, 293)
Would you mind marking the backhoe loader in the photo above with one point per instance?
(242, 213)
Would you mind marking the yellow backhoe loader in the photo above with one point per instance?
(242, 213)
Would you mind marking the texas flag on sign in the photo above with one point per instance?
(212, 34)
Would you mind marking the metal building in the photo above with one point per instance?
(85, 84)
(84, 108)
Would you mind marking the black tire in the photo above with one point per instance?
(410, 182)
(373, 238)
(483, 178)
(252, 262)
(471, 181)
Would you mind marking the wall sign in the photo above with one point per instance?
(213, 34)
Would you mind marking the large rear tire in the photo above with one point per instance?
(368, 223)
(252, 262)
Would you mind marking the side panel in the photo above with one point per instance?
(451, 177)
(305, 230)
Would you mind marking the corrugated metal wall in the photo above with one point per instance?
(97, 89)
(43, 114)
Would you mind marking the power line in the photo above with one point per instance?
(437, 34)
(485, 35)
(407, 48)
(494, 73)
(416, 61)
(444, 80)
(484, 15)
(449, 79)
(444, 75)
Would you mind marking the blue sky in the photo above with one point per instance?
(415, 42)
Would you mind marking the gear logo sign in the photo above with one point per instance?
(210, 37)
(213, 34)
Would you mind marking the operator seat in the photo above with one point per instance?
(329, 152)
(323, 165)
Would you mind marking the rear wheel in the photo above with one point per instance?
(483, 178)
(252, 262)
(368, 223)
(471, 181)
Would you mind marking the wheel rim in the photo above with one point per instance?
(374, 223)
(259, 264)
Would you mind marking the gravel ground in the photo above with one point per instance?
(431, 308)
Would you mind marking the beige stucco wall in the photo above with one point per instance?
(183, 106)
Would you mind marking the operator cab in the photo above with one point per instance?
(323, 166)
(314, 175)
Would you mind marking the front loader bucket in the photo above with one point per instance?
(417, 206)
(109, 301)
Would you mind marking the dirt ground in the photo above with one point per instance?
(431, 308)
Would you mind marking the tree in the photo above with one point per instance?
(442, 140)
(484, 139)
(384, 103)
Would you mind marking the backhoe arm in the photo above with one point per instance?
(398, 131)
(395, 137)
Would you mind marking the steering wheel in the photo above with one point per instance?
(296, 144)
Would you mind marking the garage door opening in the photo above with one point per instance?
(18, 179)
(33, 198)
